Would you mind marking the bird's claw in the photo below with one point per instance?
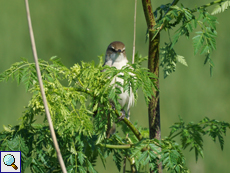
(122, 116)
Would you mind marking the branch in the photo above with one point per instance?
(130, 125)
(148, 12)
(42, 90)
(127, 146)
(207, 5)
(86, 91)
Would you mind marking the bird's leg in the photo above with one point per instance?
(113, 106)
(128, 117)
(123, 115)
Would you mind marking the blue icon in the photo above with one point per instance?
(9, 160)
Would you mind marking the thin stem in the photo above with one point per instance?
(42, 90)
(124, 165)
(78, 89)
(169, 36)
(133, 59)
(134, 31)
(175, 135)
(132, 165)
(127, 146)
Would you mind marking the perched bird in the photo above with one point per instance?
(116, 57)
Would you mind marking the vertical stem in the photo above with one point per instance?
(153, 65)
(42, 89)
(124, 165)
(134, 31)
(154, 104)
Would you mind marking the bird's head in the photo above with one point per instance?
(115, 51)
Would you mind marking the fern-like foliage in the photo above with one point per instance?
(79, 100)
(72, 113)
(171, 17)
(192, 133)
(221, 7)
(169, 59)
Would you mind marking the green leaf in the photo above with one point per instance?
(81, 157)
(205, 49)
(168, 59)
(182, 60)
(221, 7)
(198, 42)
(117, 159)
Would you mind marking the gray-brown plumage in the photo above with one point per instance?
(116, 57)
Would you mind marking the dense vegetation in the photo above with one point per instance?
(68, 100)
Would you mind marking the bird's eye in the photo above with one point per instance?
(111, 49)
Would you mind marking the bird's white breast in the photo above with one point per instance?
(126, 99)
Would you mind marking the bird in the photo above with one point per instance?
(116, 57)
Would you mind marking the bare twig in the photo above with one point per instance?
(134, 40)
(134, 31)
(133, 59)
(42, 90)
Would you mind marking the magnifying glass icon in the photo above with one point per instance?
(9, 160)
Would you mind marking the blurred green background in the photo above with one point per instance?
(81, 30)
